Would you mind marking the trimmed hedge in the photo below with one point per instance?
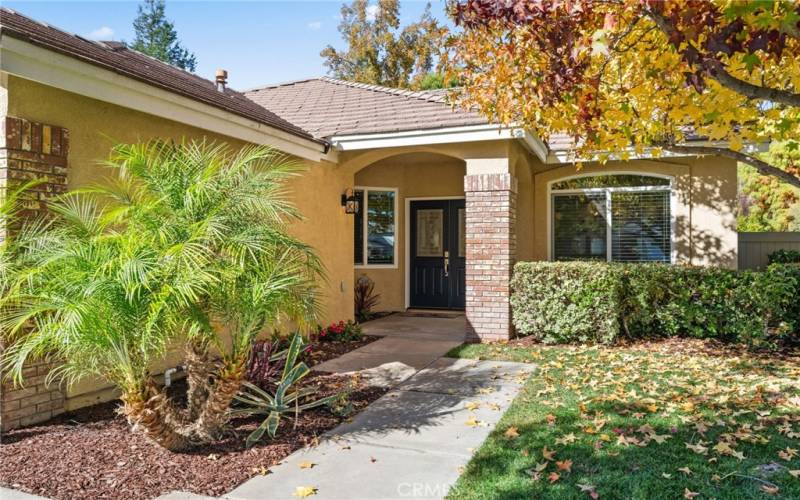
(784, 257)
(585, 302)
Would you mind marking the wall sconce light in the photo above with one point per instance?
(349, 202)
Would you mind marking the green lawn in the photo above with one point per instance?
(673, 419)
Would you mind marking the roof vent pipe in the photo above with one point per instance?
(222, 79)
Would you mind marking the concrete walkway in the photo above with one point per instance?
(410, 343)
(412, 442)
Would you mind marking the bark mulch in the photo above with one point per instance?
(324, 351)
(92, 453)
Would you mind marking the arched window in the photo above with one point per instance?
(620, 218)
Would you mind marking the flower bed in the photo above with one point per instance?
(91, 453)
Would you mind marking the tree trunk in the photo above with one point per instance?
(156, 416)
(214, 414)
(199, 371)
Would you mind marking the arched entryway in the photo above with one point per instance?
(409, 235)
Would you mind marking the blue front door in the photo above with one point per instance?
(438, 260)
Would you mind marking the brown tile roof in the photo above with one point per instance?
(327, 107)
(115, 57)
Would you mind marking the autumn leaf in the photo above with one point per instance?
(472, 405)
(698, 448)
(688, 494)
(540, 467)
(472, 421)
(795, 473)
(548, 454)
(566, 465)
(554, 477)
(787, 454)
(551, 419)
(306, 464)
(304, 491)
(511, 433)
(261, 470)
(566, 439)
(686, 470)
(770, 490)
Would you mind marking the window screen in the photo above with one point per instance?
(626, 215)
(640, 229)
(579, 227)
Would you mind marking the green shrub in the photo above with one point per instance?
(784, 257)
(596, 302)
(342, 331)
(567, 301)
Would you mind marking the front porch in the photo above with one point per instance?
(436, 230)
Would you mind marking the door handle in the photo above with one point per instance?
(446, 263)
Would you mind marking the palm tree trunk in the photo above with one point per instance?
(199, 371)
(153, 412)
(214, 415)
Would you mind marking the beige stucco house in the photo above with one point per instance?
(447, 201)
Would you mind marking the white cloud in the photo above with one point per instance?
(372, 11)
(102, 33)
(315, 25)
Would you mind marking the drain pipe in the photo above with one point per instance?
(168, 375)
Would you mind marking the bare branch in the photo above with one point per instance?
(761, 166)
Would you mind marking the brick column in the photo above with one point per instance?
(29, 151)
(491, 251)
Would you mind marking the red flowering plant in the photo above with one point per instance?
(342, 332)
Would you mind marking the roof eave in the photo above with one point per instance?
(22, 57)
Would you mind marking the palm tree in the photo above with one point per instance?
(187, 245)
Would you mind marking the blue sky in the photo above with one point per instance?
(257, 42)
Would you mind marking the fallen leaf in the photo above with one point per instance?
(472, 405)
(567, 439)
(588, 488)
(472, 421)
(511, 433)
(686, 471)
(666, 476)
(554, 477)
(689, 494)
(795, 473)
(698, 448)
(306, 465)
(548, 454)
(304, 491)
(540, 467)
(566, 465)
(770, 490)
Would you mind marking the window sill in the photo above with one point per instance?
(376, 266)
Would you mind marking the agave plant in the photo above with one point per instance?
(287, 398)
(188, 245)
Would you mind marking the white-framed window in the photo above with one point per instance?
(619, 218)
(375, 235)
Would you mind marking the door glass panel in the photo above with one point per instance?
(430, 233)
(462, 232)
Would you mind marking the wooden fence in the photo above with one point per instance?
(755, 247)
